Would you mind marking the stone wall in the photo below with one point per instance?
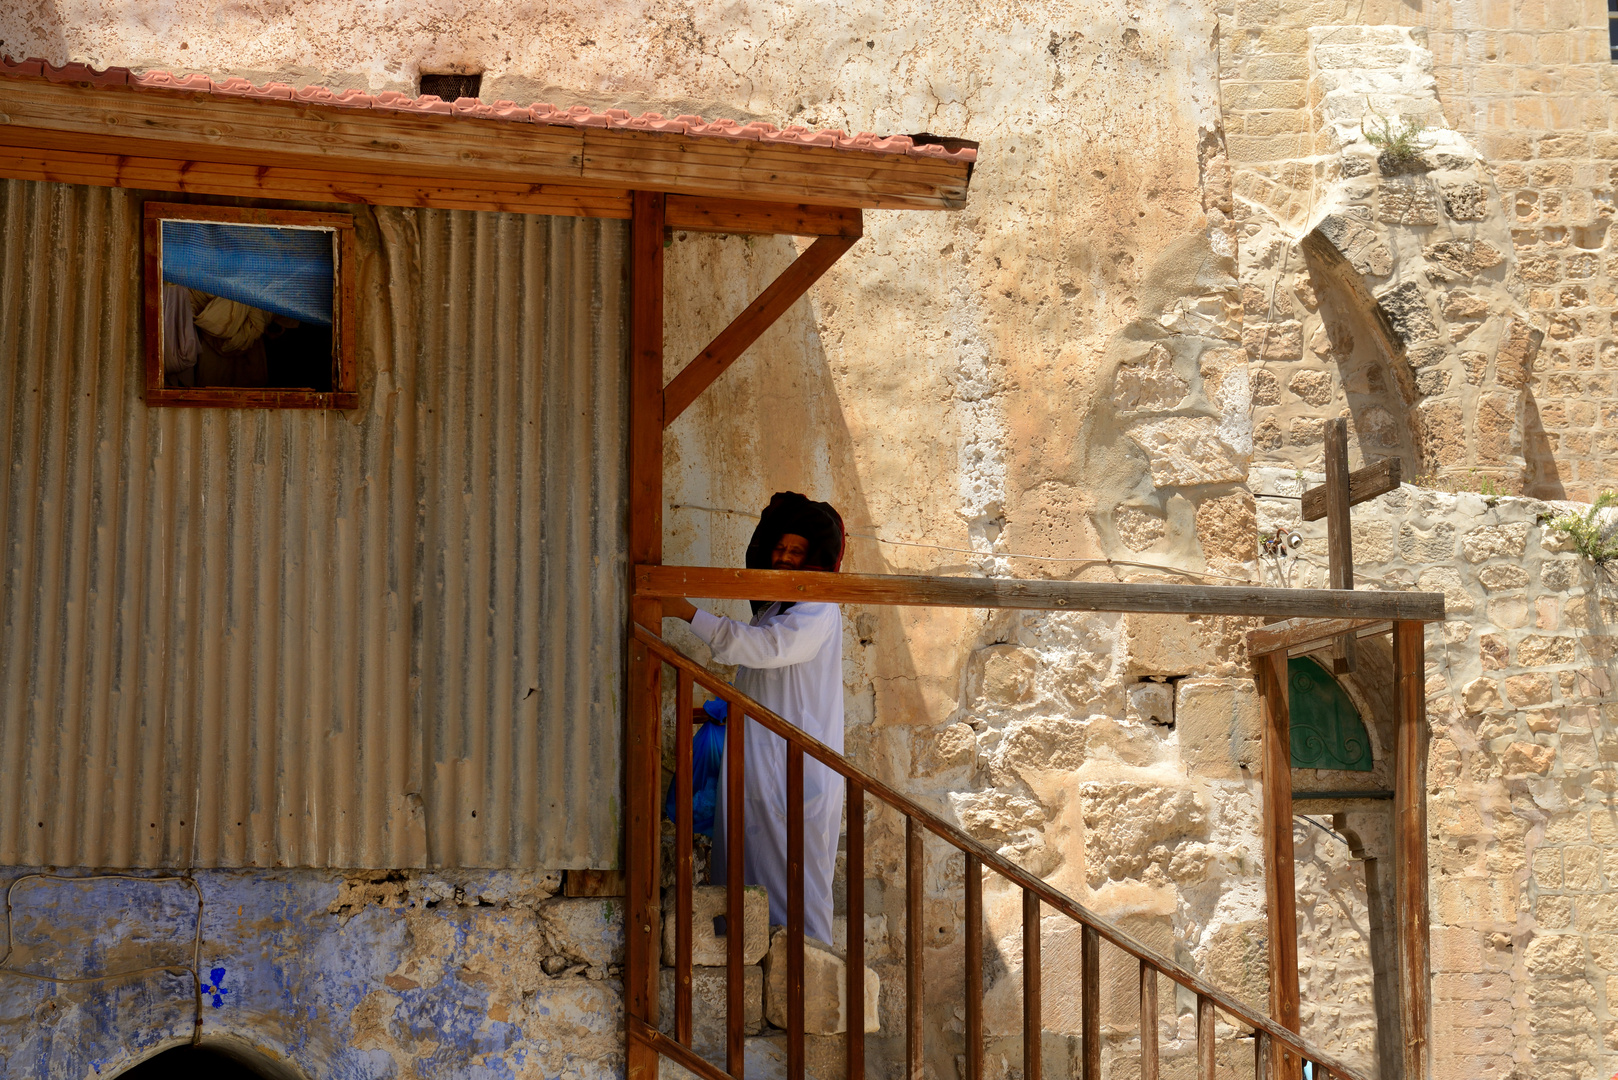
(1523, 769)
(349, 977)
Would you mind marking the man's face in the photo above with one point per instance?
(790, 552)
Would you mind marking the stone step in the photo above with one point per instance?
(708, 1006)
(825, 988)
(708, 949)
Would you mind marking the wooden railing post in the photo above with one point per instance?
(1207, 1050)
(1090, 1020)
(854, 954)
(1148, 1022)
(913, 958)
(1410, 843)
(683, 852)
(1033, 1020)
(795, 913)
(1280, 869)
(735, 912)
(974, 968)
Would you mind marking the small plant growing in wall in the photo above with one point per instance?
(1588, 532)
(1398, 140)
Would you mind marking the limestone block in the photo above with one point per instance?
(1509, 612)
(1186, 450)
(1406, 308)
(1560, 574)
(1514, 360)
(1149, 703)
(1373, 540)
(940, 751)
(1219, 726)
(708, 1006)
(1464, 258)
(1447, 580)
(1493, 652)
(1357, 242)
(1481, 694)
(1149, 383)
(1165, 645)
(1273, 341)
(1137, 528)
(708, 949)
(1044, 743)
(1407, 202)
(1466, 202)
(1133, 824)
(585, 930)
(1524, 690)
(1499, 437)
(825, 1008)
(1475, 364)
(1527, 759)
(1315, 387)
(1537, 650)
(825, 1057)
(1008, 674)
(1504, 576)
(1431, 545)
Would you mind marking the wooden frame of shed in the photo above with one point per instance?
(84, 127)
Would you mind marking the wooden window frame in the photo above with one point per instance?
(345, 384)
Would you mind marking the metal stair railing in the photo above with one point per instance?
(1279, 1053)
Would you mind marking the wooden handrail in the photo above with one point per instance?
(1127, 596)
(1036, 891)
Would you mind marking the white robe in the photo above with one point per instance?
(792, 663)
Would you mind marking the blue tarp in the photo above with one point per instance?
(287, 271)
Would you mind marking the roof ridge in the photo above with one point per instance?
(537, 113)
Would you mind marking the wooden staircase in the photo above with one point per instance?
(1280, 1054)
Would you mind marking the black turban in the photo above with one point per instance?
(789, 512)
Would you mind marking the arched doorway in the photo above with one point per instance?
(215, 1060)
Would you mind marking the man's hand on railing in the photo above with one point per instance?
(678, 607)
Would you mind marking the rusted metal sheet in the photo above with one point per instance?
(386, 638)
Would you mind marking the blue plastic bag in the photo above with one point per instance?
(707, 760)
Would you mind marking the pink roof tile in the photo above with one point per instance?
(509, 111)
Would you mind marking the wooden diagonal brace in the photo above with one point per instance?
(745, 329)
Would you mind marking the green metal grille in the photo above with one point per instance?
(1327, 732)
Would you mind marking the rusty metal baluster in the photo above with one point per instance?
(1148, 1021)
(1090, 1027)
(682, 856)
(794, 913)
(974, 968)
(735, 917)
(913, 1046)
(1205, 1038)
(855, 954)
(1032, 1017)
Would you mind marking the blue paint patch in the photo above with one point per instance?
(215, 985)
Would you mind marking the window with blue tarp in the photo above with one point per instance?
(285, 271)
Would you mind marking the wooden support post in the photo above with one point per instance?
(1410, 843)
(643, 757)
(1033, 1023)
(1207, 1049)
(1339, 538)
(1148, 1022)
(684, 876)
(1279, 875)
(795, 1044)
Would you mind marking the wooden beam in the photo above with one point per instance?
(714, 215)
(1410, 844)
(1151, 597)
(643, 742)
(1280, 883)
(1299, 636)
(1363, 484)
(379, 146)
(756, 318)
(1339, 536)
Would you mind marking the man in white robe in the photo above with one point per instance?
(790, 658)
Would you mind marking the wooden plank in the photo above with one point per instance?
(184, 174)
(794, 914)
(731, 584)
(1207, 1049)
(370, 143)
(1363, 484)
(709, 214)
(974, 969)
(643, 755)
(1090, 1003)
(684, 871)
(1033, 1018)
(746, 328)
(577, 883)
(988, 857)
(1263, 1059)
(854, 957)
(1410, 843)
(1281, 892)
(914, 1042)
(1299, 636)
(1149, 1063)
(1339, 537)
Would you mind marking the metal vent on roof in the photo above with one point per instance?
(448, 86)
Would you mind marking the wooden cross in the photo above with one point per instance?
(1331, 501)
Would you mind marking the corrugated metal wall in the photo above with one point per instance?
(257, 637)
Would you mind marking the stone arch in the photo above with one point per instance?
(217, 1057)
